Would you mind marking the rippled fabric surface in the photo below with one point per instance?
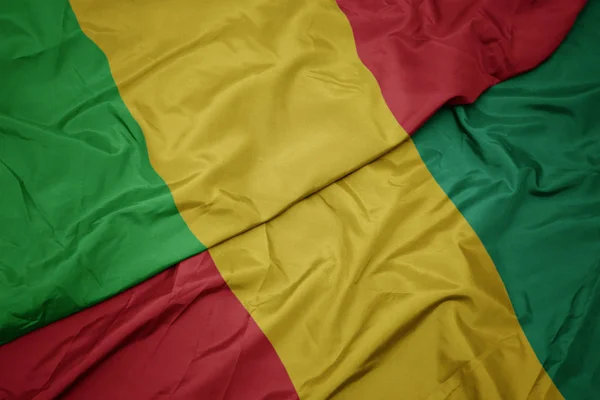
(239, 118)
(82, 213)
(425, 53)
(242, 109)
(375, 286)
(246, 107)
(180, 335)
(523, 166)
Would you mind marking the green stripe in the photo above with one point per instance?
(523, 166)
(83, 215)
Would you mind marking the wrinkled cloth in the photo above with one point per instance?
(137, 135)
(383, 284)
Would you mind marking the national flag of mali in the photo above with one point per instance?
(283, 199)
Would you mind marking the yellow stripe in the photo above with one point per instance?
(246, 106)
(377, 288)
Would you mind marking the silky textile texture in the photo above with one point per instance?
(523, 166)
(180, 335)
(247, 109)
(85, 216)
(377, 287)
(375, 279)
(425, 53)
(82, 213)
(239, 104)
(242, 103)
(278, 84)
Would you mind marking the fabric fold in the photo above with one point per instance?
(341, 267)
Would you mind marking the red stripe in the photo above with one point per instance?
(180, 335)
(427, 53)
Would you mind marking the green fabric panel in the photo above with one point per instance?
(523, 166)
(83, 215)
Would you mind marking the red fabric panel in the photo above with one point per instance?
(425, 53)
(180, 335)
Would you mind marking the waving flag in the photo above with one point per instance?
(338, 265)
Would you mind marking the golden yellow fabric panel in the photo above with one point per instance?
(246, 106)
(376, 287)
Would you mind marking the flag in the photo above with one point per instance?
(320, 282)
